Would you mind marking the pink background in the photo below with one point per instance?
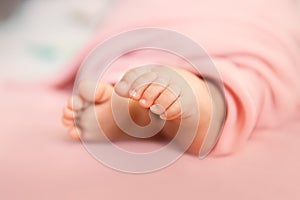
(38, 161)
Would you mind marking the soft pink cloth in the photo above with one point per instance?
(39, 161)
(254, 44)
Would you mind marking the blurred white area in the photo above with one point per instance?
(43, 35)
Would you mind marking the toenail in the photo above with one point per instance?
(133, 93)
(143, 101)
(157, 109)
(163, 116)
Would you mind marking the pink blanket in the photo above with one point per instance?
(38, 161)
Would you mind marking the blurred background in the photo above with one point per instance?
(38, 37)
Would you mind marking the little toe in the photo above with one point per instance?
(75, 133)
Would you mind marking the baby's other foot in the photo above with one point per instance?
(89, 109)
(159, 88)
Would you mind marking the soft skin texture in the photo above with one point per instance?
(170, 93)
(255, 49)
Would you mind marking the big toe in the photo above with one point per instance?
(75, 103)
(124, 86)
(86, 90)
(94, 92)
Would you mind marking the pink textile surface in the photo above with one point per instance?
(38, 161)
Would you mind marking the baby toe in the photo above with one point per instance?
(124, 85)
(167, 97)
(173, 112)
(157, 109)
(67, 122)
(68, 113)
(86, 90)
(103, 92)
(75, 133)
(151, 93)
(75, 103)
(138, 87)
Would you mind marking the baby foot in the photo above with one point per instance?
(176, 95)
(159, 88)
(89, 109)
